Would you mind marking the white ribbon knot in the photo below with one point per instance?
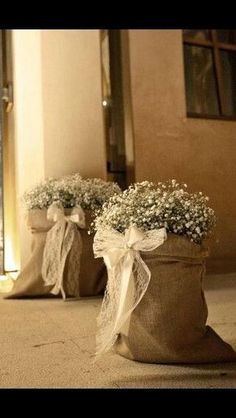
(58, 244)
(128, 277)
(56, 213)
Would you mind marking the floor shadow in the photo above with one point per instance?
(208, 377)
(222, 367)
(219, 281)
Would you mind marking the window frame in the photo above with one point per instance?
(216, 47)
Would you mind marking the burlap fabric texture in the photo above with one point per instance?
(169, 324)
(88, 279)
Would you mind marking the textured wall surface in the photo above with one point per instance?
(57, 110)
(72, 103)
(200, 152)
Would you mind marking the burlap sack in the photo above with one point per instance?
(169, 324)
(91, 277)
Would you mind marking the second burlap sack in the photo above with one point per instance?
(82, 274)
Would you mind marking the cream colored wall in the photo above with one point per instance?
(57, 110)
(59, 124)
(28, 121)
(72, 103)
(201, 153)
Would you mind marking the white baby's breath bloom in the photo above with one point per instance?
(70, 191)
(152, 206)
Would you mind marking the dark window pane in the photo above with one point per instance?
(226, 36)
(201, 35)
(200, 81)
(228, 59)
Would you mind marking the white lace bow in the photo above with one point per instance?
(128, 277)
(58, 244)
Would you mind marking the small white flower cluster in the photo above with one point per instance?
(153, 206)
(70, 191)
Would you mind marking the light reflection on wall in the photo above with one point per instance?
(10, 263)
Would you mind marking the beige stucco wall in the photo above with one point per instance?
(57, 110)
(28, 123)
(59, 124)
(201, 153)
(72, 103)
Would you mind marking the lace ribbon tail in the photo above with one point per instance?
(128, 289)
(58, 244)
(126, 286)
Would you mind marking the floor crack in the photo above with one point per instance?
(81, 349)
(52, 342)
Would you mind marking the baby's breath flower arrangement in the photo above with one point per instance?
(70, 191)
(148, 206)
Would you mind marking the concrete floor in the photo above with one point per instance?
(48, 343)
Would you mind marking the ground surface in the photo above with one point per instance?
(50, 344)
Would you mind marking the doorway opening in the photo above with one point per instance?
(116, 105)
